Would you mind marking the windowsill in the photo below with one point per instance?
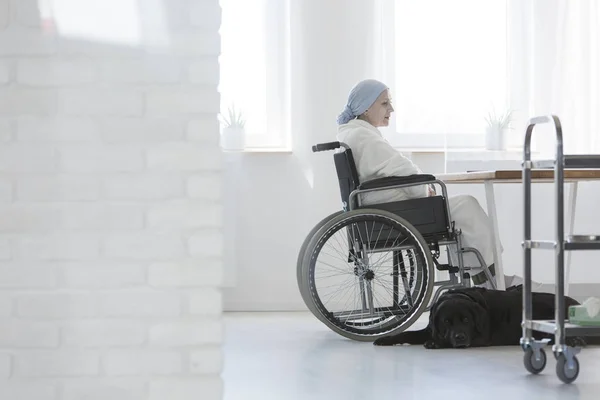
(260, 150)
(455, 150)
(451, 154)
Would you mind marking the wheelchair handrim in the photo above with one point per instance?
(302, 252)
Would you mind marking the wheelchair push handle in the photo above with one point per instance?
(326, 146)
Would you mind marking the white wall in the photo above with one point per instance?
(281, 196)
(110, 226)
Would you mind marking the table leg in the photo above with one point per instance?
(571, 224)
(491, 206)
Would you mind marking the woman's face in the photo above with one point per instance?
(380, 111)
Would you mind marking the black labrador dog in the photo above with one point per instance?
(478, 317)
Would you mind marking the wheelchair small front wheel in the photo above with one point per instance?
(367, 273)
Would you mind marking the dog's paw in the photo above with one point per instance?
(385, 341)
(430, 344)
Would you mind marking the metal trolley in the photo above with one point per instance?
(567, 365)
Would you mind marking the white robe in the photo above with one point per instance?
(376, 158)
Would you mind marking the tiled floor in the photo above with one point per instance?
(291, 356)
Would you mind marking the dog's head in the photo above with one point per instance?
(460, 320)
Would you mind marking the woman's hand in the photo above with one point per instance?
(431, 190)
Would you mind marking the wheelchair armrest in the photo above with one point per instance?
(396, 180)
(326, 146)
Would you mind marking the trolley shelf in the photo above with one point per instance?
(539, 244)
(570, 329)
(575, 242)
(582, 242)
(573, 161)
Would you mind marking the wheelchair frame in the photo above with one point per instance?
(450, 237)
(456, 240)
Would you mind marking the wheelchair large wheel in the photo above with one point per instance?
(310, 235)
(355, 277)
(304, 289)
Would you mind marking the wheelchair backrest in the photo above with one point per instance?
(427, 214)
(347, 174)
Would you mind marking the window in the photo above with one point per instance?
(555, 69)
(449, 70)
(253, 68)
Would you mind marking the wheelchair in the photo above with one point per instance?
(368, 271)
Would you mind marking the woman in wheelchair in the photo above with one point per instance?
(368, 270)
(369, 107)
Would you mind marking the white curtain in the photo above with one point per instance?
(555, 69)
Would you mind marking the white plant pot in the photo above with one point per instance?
(495, 138)
(233, 139)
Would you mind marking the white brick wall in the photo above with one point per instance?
(6, 304)
(199, 130)
(4, 72)
(22, 275)
(152, 70)
(101, 333)
(183, 157)
(110, 204)
(140, 130)
(186, 389)
(144, 186)
(55, 363)
(6, 127)
(102, 389)
(56, 72)
(185, 273)
(57, 188)
(206, 243)
(22, 100)
(204, 72)
(27, 390)
(18, 157)
(4, 13)
(141, 304)
(101, 100)
(55, 305)
(19, 41)
(206, 360)
(5, 365)
(205, 186)
(51, 129)
(103, 275)
(30, 334)
(100, 158)
(186, 333)
(143, 362)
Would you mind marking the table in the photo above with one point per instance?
(489, 178)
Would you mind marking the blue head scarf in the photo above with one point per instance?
(362, 95)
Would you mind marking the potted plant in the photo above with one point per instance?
(233, 135)
(495, 136)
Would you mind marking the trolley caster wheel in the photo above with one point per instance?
(564, 373)
(532, 364)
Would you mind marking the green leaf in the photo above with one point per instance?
(234, 119)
